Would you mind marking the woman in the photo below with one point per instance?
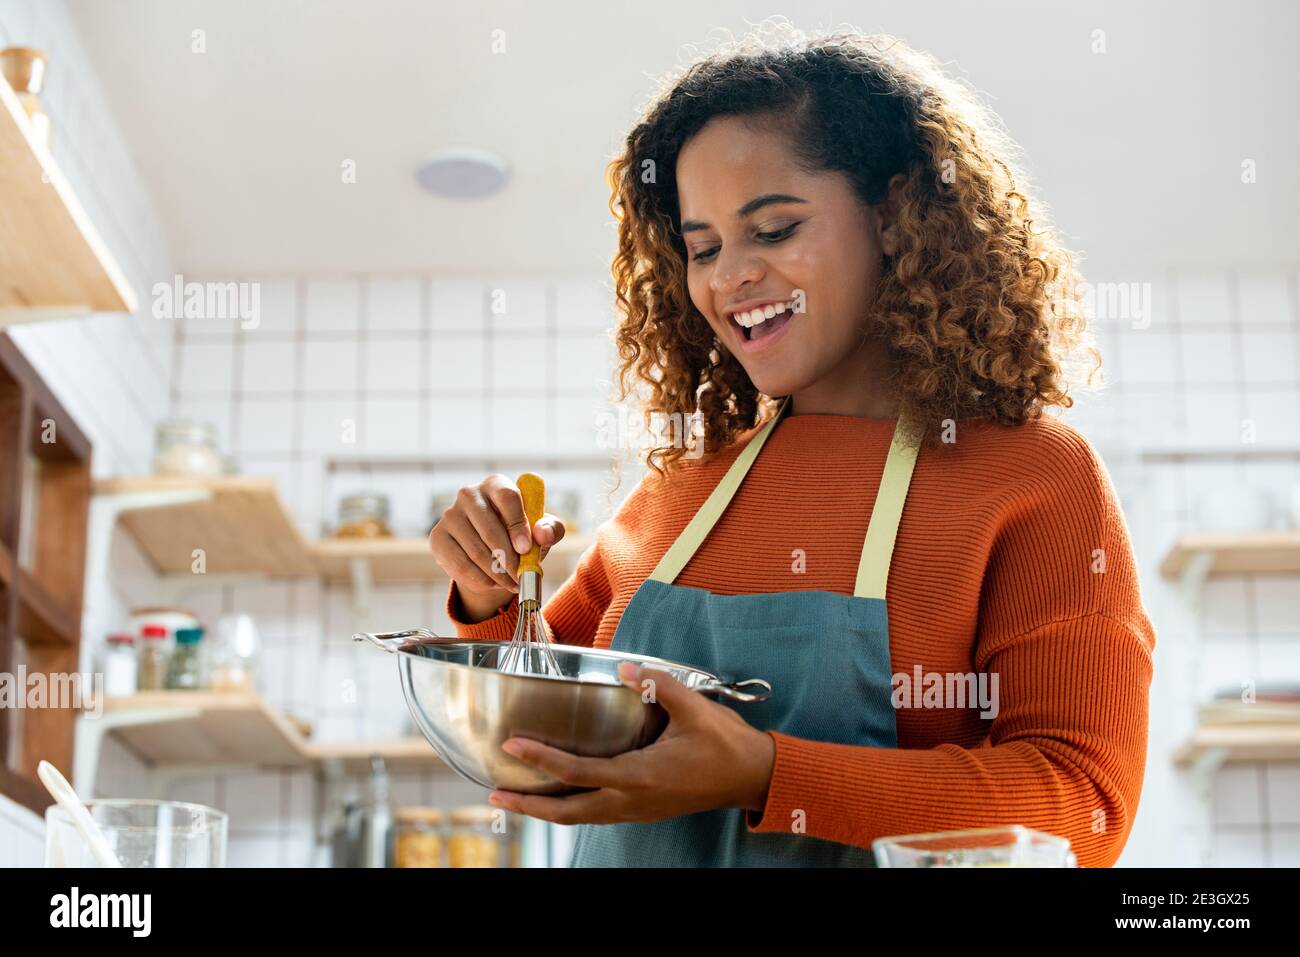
(826, 252)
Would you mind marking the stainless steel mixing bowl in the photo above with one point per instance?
(467, 709)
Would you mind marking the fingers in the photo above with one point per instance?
(479, 539)
(585, 807)
(661, 688)
(504, 497)
(572, 769)
(548, 531)
(473, 564)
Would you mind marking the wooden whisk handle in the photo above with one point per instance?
(533, 490)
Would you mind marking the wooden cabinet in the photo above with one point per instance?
(44, 503)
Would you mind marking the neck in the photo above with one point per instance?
(859, 386)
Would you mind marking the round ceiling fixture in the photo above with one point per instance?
(463, 173)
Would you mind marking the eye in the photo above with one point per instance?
(778, 235)
(775, 236)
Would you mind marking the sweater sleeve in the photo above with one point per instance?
(1063, 629)
(572, 613)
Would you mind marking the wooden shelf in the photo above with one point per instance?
(52, 261)
(199, 728)
(206, 727)
(401, 755)
(240, 523)
(1242, 743)
(396, 560)
(1241, 553)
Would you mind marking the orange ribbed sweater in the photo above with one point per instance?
(1012, 557)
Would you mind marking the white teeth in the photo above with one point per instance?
(760, 315)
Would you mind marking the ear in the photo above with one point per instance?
(887, 216)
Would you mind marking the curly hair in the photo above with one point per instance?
(981, 304)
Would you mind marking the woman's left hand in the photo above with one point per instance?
(708, 757)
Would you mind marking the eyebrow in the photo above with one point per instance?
(755, 204)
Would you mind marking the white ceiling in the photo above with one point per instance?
(1138, 150)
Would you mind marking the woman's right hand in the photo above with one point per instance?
(478, 541)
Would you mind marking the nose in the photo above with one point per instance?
(730, 272)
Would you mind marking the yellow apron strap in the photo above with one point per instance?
(697, 530)
(878, 549)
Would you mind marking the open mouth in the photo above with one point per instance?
(763, 321)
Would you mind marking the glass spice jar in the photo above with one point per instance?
(418, 837)
(185, 669)
(476, 838)
(363, 515)
(187, 448)
(153, 658)
(121, 666)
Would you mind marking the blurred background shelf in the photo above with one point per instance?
(240, 524)
(397, 560)
(223, 729)
(53, 263)
(205, 727)
(1239, 553)
(400, 755)
(1241, 743)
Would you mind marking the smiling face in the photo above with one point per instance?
(760, 231)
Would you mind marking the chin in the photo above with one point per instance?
(772, 384)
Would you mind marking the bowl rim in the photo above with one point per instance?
(644, 660)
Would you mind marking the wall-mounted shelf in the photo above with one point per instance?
(205, 727)
(400, 755)
(53, 263)
(240, 524)
(1213, 745)
(188, 732)
(1193, 559)
(1239, 553)
(396, 560)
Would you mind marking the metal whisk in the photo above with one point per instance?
(529, 651)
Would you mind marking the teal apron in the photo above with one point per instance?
(826, 656)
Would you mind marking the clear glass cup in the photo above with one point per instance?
(141, 834)
(1014, 846)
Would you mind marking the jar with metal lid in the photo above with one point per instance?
(185, 447)
(418, 837)
(154, 653)
(185, 669)
(477, 836)
(363, 515)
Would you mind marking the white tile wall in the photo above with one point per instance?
(1221, 352)
(374, 366)
(357, 365)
